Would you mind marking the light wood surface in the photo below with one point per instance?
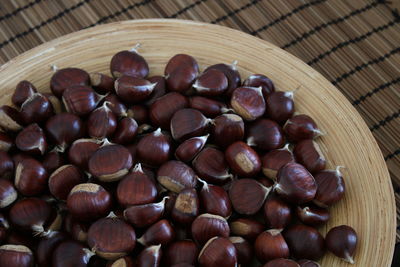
(369, 202)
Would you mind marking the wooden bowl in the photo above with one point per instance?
(369, 202)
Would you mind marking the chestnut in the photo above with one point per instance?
(78, 230)
(298, 235)
(211, 166)
(159, 233)
(129, 62)
(64, 128)
(331, 187)
(6, 142)
(150, 256)
(36, 108)
(10, 119)
(71, 253)
(175, 176)
(62, 180)
(53, 160)
(247, 196)
(215, 200)
(8, 194)
(231, 73)
(111, 237)
(189, 149)
(246, 228)
(32, 140)
(186, 123)
(187, 207)
(308, 153)
(140, 113)
(30, 177)
(342, 242)
(88, 202)
(187, 253)
(207, 226)
(106, 167)
(46, 247)
(280, 106)
(312, 215)
(133, 89)
(242, 159)
(265, 135)
(6, 165)
(162, 110)
(277, 213)
(67, 77)
(126, 261)
(80, 100)
(155, 148)
(136, 188)
(102, 122)
(127, 129)
(116, 105)
(227, 129)
(301, 127)
(181, 71)
(82, 150)
(16, 255)
(281, 263)
(209, 107)
(159, 90)
(244, 250)
(276, 159)
(102, 83)
(55, 103)
(218, 252)
(259, 80)
(23, 91)
(212, 82)
(248, 102)
(308, 263)
(295, 184)
(145, 214)
(271, 245)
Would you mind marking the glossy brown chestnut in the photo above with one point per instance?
(102, 122)
(218, 252)
(207, 226)
(297, 236)
(259, 80)
(10, 119)
(209, 107)
(80, 100)
(126, 261)
(308, 153)
(265, 134)
(102, 83)
(246, 228)
(88, 202)
(211, 166)
(247, 196)
(181, 71)
(55, 103)
(8, 194)
(78, 230)
(133, 89)
(64, 128)
(280, 106)
(189, 149)
(23, 91)
(71, 253)
(155, 148)
(36, 108)
(127, 129)
(248, 102)
(300, 127)
(82, 150)
(6, 142)
(62, 180)
(227, 129)
(231, 73)
(244, 250)
(295, 184)
(46, 247)
(331, 187)
(281, 263)
(64, 78)
(150, 256)
(140, 113)
(116, 105)
(104, 165)
(212, 82)
(111, 237)
(145, 214)
(342, 242)
(276, 159)
(215, 200)
(175, 176)
(16, 255)
(271, 245)
(313, 216)
(159, 90)
(6, 165)
(242, 159)
(308, 263)
(187, 253)
(30, 177)
(187, 207)
(277, 213)
(159, 233)
(136, 188)
(129, 63)
(32, 140)
(162, 110)
(53, 160)
(186, 123)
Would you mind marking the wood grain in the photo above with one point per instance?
(369, 202)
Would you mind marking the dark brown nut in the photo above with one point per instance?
(301, 127)
(80, 100)
(244, 250)
(313, 216)
(88, 202)
(62, 180)
(162, 110)
(155, 148)
(295, 184)
(126, 261)
(280, 106)
(181, 71)
(16, 255)
(140, 113)
(211, 166)
(212, 82)
(227, 129)
(77, 229)
(276, 159)
(126, 131)
(150, 256)
(186, 123)
(248, 102)
(102, 122)
(246, 228)
(187, 207)
(209, 107)
(189, 149)
(10, 119)
(55, 103)
(30, 177)
(116, 105)
(159, 233)
(6, 165)
(23, 91)
(183, 251)
(259, 80)
(129, 63)
(176, 176)
(65, 78)
(53, 160)
(231, 73)
(247, 196)
(277, 213)
(71, 253)
(37, 109)
(308, 263)
(8, 194)
(331, 187)
(265, 134)
(145, 214)
(133, 89)
(218, 252)
(136, 188)
(102, 83)
(281, 263)
(159, 90)
(308, 153)
(298, 235)
(32, 140)
(46, 247)
(6, 142)
(215, 200)
(207, 226)
(112, 228)
(342, 242)
(64, 128)
(271, 245)
(82, 150)
(242, 159)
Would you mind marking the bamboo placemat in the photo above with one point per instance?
(354, 44)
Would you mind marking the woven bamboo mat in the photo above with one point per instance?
(354, 44)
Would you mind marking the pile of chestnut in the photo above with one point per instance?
(187, 169)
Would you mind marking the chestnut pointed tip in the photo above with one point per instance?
(135, 48)
(349, 259)
(54, 68)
